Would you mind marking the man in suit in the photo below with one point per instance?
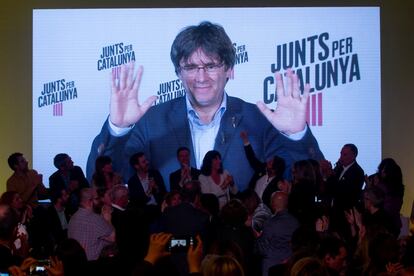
(185, 220)
(67, 177)
(146, 186)
(349, 178)
(274, 242)
(206, 118)
(185, 173)
(50, 227)
(345, 183)
(131, 227)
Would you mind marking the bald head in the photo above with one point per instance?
(119, 195)
(279, 201)
(87, 197)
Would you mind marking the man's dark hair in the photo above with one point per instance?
(180, 149)
(210, 38)
(233, 213)
(330, 245)
(13, 159)
(101, 162)
(55, 195)
(208, 161)
(190, 191)
(73, 256)
(59, 160)
(375, 195)
(133, 160)
(353, 148)
(210, 203)
(391, 175)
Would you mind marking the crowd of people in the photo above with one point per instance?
(266, 203)
(323, 221)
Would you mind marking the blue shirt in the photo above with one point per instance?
(203, 135)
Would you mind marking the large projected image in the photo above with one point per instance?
(78, 56)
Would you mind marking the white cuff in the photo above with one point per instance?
(118, 131)
(298, 135)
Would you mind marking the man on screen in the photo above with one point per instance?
(206, 118)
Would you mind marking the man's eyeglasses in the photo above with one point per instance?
(210, 68)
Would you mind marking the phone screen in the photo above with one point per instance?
(180, 243)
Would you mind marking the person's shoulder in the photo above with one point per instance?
(10, 179)
(54, 175)
(75, 217)
(77, 169)
(176, 171)
(187, 208)
(239, 107)
(237, 103)
(134, 178)
(357, 168)
(202, 177)
(32, 172)
(154, 171)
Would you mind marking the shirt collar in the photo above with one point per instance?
(117, 207)
(192, 113)
(347, 167)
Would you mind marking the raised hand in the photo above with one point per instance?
(157, 247)
(194, 256)
(322, 224)
(350, 218)
(55, 268)
(125, 109)
(289, 115)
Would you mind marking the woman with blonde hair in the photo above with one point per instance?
(308, 266)
(221, 265)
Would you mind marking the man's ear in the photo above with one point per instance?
(230, 74)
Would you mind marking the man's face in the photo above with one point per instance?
(22, 164)
(338, 262)
(184, 158)
(269, 167)
(107, 198)
(347, 156)
(204, 89)
(68, 163)
(175, 200)
(17, 202)
(107, 168)
(64, 196)
(97, 203)
(143, 164)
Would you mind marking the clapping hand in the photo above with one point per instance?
(227, 182)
